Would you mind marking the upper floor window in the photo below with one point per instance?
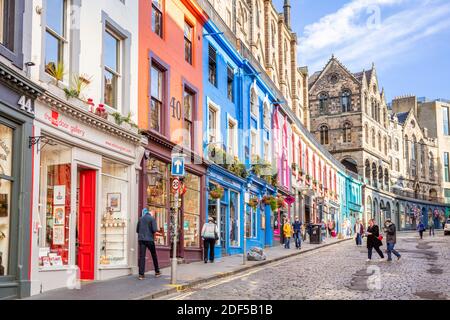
(188, 42)
(232, 137)
(347, 132)
(373, 138)
(230, 83)
(55, 37)
(254, 103)
(324, 137)
(366, 132)
(379, 141)
(157, 17)
(346, 100)
(273, 35)
(212, 125)
(257, 15)
(445, 118)
(396, 145)
(157, 94)
(254, 144)
(323, 103)
(189, 100)
(212, 66)
(366, 104)
(266, 115)
(111, 56)
(446, 167)
(7, 9)
(431, 165)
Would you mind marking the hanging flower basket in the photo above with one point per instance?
(280, 202)
(267, 200)
(253, 202)
(216, 193)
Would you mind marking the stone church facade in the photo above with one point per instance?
(389, 151)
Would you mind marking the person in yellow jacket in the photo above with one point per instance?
(287, 231)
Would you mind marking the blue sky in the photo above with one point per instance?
(409, 40)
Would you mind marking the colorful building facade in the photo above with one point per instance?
(171, 115)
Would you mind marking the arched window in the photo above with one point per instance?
(367, 172)
(380, 177)
(373, 138)
(413, 156)
(323, 103)
(366, 102)
(397, 147)
(385, 146)
(379, 141)
(346, 98)
(374, 176)
(347, 132)
(431, 165)
(366, 132)
(373, 107)
(386, 179)
(324, 138)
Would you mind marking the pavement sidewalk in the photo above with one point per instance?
(188, 275)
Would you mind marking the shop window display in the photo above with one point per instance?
(55, 206)
(157, 197)
(6, 136)
(114, 223)
(234, 219)
(191, 211)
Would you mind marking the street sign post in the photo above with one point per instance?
(178, 170)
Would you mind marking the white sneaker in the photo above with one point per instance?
(368, 260)
(382, 260)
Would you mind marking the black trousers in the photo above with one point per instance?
(143, 246)
(377, 249)
(208, 244)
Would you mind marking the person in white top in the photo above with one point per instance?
(210, 234)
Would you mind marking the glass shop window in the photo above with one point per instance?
(157, 197)
(6, 152)
(191, 211)
(115, 214)
(234, 219)
(55, 205)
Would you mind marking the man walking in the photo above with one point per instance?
(298, 233)
(391, 239)
(359, 230)
(146, 230)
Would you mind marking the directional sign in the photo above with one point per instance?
(175, 184)
(178, 166)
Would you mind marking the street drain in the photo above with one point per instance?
(431, 295)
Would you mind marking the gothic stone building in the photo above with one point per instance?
(349, 115)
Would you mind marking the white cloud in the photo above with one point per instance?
(347, 34)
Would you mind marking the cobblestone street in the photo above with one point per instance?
(341, 272)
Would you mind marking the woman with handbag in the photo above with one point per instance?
(374, 240)
(210, 234)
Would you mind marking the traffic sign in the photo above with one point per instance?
(178, 166)
(175, 184)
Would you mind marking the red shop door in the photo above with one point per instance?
(86, 228)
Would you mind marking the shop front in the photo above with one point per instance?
(157, 196)
(17, 98)
(84, 217)
(225, 204)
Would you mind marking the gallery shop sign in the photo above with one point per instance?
(80, 130)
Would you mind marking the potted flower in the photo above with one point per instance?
(216, 193)
(253, 202)
(315, 182)
(101, 111)
(294, 166)
(308, 177)
(301, 173)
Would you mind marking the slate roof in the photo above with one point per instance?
(402, 116)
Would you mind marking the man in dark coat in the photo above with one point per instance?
(391, 239)
(146, 230)
(373, 241)
(297, 226)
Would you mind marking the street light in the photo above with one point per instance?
(153, 175)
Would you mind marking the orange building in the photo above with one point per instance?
(170, 113)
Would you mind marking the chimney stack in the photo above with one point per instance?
(287, 13)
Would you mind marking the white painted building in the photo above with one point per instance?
(85, 162)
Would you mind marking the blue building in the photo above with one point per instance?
(350, 200)
(235, 137)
